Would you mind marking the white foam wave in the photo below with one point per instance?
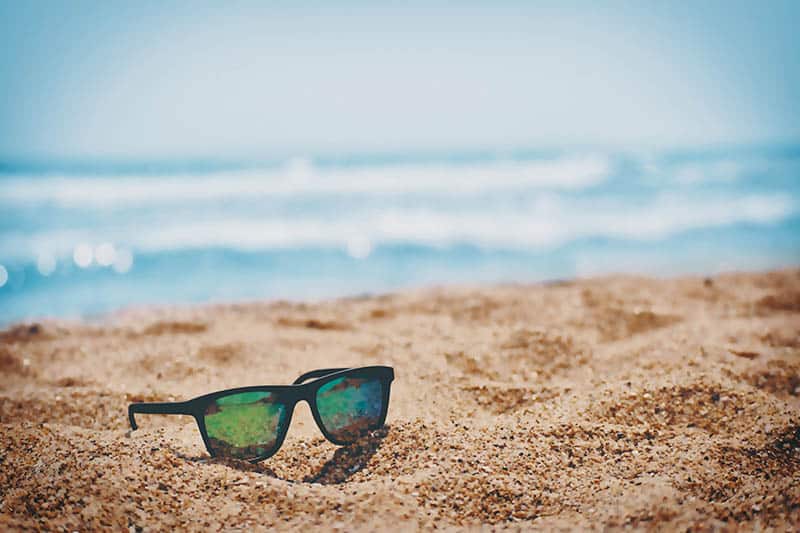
(301, 177)
(547, 221)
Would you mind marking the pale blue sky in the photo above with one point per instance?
(85, 79)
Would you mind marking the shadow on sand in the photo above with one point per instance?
(345, 462)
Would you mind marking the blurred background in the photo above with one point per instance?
(178, 152)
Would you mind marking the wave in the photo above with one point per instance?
(300, 176)
(492, 204)
(546, 221)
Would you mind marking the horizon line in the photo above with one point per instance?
(10, 164)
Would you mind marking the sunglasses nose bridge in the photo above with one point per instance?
(305, 395)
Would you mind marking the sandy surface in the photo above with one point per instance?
(597, 404)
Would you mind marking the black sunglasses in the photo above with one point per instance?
(251, 422)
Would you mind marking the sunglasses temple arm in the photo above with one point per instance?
(158, 408)
(316, 374)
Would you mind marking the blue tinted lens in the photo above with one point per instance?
(350, 406)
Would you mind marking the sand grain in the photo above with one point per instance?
(602, 403)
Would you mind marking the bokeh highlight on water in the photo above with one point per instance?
(77, 241)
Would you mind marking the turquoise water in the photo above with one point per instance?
(84, 239)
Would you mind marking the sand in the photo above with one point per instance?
(600, 403)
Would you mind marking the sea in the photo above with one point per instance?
(79, 240)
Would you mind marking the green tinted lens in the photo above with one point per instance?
(244, 425)
(350, 406)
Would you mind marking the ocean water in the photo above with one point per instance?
(82, 240)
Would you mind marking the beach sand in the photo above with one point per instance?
(600, 403)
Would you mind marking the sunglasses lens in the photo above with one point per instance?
(244, 425)
(350, 406)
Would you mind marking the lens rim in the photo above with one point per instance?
(385, 389)
(281, 430)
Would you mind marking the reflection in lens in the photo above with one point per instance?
(244, 425)
(350, 406)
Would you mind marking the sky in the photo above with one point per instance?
(159, 80)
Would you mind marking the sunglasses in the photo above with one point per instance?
(250, 423)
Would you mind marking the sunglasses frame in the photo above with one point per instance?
(288, 395)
